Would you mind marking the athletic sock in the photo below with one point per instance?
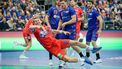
(97, 56)
(87, 54)
(81, 54)
(50, 56)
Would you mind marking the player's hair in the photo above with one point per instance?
(75, 0)
(91, 1)
(37, 15)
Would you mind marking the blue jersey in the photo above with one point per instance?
(54, 17)
(93, 23)
(66, 15)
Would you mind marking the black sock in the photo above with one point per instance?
(81, 54)
(97, 56)
(87, 54)
(50, 56)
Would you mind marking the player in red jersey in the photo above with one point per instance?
(27, 36)
(46, 38)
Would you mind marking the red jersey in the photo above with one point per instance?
(79, 12)
(50, 43)
(26, 29)
(45, 38)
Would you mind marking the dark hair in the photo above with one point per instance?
(91, 1)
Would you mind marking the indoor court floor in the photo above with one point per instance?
(38, 59)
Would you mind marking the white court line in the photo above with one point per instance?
(113, 58)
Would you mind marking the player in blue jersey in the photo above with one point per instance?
(68, 23)
(94, 28)
(52, 18)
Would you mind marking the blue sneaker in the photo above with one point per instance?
(88, 61)
(94, 50)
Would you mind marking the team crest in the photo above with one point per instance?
(55, 12)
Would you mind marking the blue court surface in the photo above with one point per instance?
(112, 59)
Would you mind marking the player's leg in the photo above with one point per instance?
(28, 44)
(79, 44)
(94, 39)
(62, 36)
(70, 59)
(72, 43)
(88, 40)
(50, 59)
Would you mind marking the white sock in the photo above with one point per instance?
(88, 48)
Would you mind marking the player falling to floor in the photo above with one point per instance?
(46, 38)
(27, 37)
(94, 28)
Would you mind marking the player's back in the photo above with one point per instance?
(79, 13)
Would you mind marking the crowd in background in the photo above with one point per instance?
(15, 13)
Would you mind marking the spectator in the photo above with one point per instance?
(20, 26)
(11, 24)
(8, 16)
(4, 25)
(22, 17)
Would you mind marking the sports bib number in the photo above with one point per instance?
(43, 33)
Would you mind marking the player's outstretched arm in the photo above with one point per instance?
(60, 31)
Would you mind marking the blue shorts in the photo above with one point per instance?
(91, 35)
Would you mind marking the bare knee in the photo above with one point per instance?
(67, 59)
(73, 43)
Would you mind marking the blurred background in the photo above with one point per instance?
(15, 13)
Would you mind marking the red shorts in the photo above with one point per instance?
(57, 48)
(77, 33)
(78, 24)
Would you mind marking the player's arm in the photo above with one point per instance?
(73, 20)
(34, 26)
(60, 31)
(47, 21)
(100, 25)
(59, 25)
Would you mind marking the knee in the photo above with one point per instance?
(67, 59)
(29, 45)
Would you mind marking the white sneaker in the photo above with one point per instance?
(98, 61)
(15, 44)
(50, 63)
(62, 64)
(82, 61)
(23, 57)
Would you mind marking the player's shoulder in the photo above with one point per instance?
(70, 7)
(53, 7)
(94, 10)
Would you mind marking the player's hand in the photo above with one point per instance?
(66, 33)
(99, 32)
